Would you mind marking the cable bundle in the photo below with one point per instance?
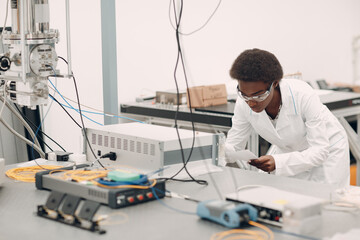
(100, 178)
(27, 174)
(81, 175)
(246, 234)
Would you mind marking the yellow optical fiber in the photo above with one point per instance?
(115, 218)
(27, 174)
(245, 234)
(84, 175)
(243, 237)
(81, 175)
(266, 229)
(241, 234)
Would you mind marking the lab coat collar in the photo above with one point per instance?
(288, 109)
(264, 125)
(288, 105)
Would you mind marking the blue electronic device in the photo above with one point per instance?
(229, 214)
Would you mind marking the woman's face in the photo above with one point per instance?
(257, 95)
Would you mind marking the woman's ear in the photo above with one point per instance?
(276, 83)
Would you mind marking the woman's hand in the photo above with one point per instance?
(265, 163)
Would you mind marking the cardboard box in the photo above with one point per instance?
(170, 97)
(204, 96)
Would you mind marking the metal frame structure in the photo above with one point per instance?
(109, 60)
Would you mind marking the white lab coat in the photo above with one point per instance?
(309, 142)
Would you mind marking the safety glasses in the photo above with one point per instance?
(257, 98)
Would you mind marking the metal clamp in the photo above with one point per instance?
(62, 208)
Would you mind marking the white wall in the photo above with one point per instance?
(86, 63)
(313, 37)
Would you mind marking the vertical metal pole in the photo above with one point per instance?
(358, 161)
(68, 42)
(22, 36)
(31, 16)
(215, 149)
(109, 59)
(253, 143)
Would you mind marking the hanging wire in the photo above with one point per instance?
(198, 29)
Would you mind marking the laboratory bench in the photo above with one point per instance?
(158, 219)
(344, 105)
(341, 104)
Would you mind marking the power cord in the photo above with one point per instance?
(180, 57)
(65, 111)
(111, 155)
(81, 116)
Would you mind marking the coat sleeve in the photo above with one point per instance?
(240, 130)
(293, 163)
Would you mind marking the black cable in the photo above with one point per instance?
(183, 65)
(65, 110)
(201, 27)
(63, 59)
(34, 128)
(180, 180)
(82, 122)
(81, 116)
(180, 56)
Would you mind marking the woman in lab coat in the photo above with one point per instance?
(309, 142)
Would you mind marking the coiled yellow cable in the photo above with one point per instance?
(245, 234)
(27, 174)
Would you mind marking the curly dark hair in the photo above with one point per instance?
(255, 65)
